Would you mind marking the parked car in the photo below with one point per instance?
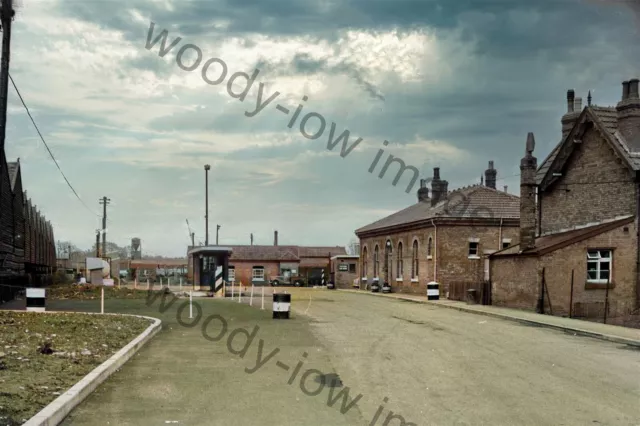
(280, 280)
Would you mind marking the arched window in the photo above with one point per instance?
(376, 262)
(365, 259)
(399, 266)
(414, 263)
(430, 248)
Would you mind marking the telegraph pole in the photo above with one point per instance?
(104, 201)
(206, 202)
(217, 229)
(6, 16)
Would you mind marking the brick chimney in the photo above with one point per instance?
(490, 176)
(439, 187)
(275, 238)
(423, 191)
(528, 167)
(629, 113)
(570, 118)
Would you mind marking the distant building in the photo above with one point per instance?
(344, 270)
(445, 238)
(579, 218)
(260, 264)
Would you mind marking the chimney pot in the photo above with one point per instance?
(505, 188)
(275, 238)
(436, 173)
(578, 105)
(490, 176)
(625, 90)
(633, 89)
(570, 98)
(490, 165)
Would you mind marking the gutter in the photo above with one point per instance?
(435, 251)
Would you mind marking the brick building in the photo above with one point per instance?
(578, 217)
(443, 238)
(344, 270)
(260, 264)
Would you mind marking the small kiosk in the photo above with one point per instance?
(210, 268)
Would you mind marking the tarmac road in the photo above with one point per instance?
(439, 366)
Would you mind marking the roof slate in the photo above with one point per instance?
(555, 241)
(471, 202)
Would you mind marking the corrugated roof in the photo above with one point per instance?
(471, 202)
(552, 242)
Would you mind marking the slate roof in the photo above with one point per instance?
(13, 168)
(279, 253)
(605, 118)
(548, 243)
(321, 251)
(471, 202)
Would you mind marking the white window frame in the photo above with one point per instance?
(253, 273)
(477, 249)
(430, 248)
(596, 256)
(232, 274)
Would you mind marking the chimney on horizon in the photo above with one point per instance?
(490, 176)
(569, 119)
(423, 191)
(628, 113)
(251, 238)
(275, 238)
(505, 188)
(439, 188)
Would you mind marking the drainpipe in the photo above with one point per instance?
(638, 247)
(435, 251)
(500, 236)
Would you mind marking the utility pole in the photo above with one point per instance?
(217, 229)
(97, 243)
(104, 201)
(6, 16)
(206, 202)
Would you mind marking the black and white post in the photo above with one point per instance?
(281, 305)
(36, 298)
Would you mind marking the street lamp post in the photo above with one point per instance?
(206, 202)
(386, 287)
(217, 229)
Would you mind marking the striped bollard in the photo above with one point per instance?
(218, 284)
(36, 298)
(433, 291)
(323, 282)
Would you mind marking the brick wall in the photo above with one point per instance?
(244, 269)
(516, 280)
(450, 252)
(344, 279)
(592, 161)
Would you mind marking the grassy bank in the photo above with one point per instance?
(92, 292)
(43, 355)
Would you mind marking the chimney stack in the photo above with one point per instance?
(252, 239)
(505, 188)
(628, 111)
(423, 191)
(275, 238)
(528, 167)
(490, 176)
(578, 105)
(439, 188)
(569, 119)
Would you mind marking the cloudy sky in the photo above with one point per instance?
(448, 83)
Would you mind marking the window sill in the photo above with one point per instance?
(414, 280)
(429, 257)
(363, 279)
(474, 257)
(399, 279)
(597, 285)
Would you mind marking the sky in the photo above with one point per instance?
(449, 84)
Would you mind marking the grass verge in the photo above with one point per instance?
(43, 355)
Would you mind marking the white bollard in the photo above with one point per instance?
(169, 282)
(240, 293)
(263, 298)
(233, 289)
(191, 305)
(251, 298)
(180, 284)
(102, 299)
(135, 283)
(148, 285)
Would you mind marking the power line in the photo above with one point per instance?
(47, 146)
